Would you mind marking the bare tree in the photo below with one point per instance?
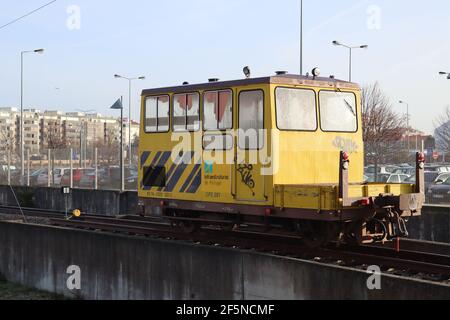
(382, 128)
(442, 133)
(5, 138)
(109, 147)
(54, 141)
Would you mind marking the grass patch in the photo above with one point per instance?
(10, 291)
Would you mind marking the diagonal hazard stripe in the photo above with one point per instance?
(161, 163)
(171, 170)
(144, 157)
(196, 183)
(189, 179)
(155, 159)
(181, 168)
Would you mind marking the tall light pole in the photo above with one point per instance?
(407, 120)
(22, 143)
(129, 111)
(337, 43)
(301, 37)
(119, 106)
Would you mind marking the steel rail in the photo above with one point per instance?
(385, 257)
(410, 259)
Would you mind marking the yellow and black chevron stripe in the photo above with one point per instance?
(175, 173)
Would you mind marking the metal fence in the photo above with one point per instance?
(97, 168)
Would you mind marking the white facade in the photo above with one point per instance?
(55, 128)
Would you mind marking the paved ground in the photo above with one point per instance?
(9, 291)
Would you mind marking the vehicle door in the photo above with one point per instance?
(218, 145)
(250, 182)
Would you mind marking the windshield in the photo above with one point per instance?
(338, 111)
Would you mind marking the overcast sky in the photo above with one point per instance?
(172, 41)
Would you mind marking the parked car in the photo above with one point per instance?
(110, 177)
(34, 176)
(131, 183)
(77, 175)
(58, 174)
(390, 178)
(405, 170)
(42, 178)
(87, 180)
(433, 177)
(381, 169)
(439, 193)
(437, 168)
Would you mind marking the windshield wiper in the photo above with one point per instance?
(350, 107)
(347, 103)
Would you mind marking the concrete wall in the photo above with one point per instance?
(90, 201)
(119, 267)
(433, 225)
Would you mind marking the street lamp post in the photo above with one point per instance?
(119, 105)
(129, 111)
(443, 73)
(407, 121)
(337, 43)
(22, 143)
(301, 37)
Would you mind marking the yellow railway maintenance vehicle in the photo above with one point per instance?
(276, 154)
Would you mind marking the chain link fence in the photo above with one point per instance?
(93, 168)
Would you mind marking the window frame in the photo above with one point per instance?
(239, 114)
(356, 107)
(172, 112)
(157, 114)
(203, 110)
(316, 104)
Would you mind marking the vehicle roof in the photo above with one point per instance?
(286, 79)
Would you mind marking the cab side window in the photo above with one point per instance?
(218, 110)
(157, 114)
(251, 120)
(186, 112)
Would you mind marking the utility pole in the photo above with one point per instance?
(117, 76)
(301, 37)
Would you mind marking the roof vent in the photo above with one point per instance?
(185, 83)
(280, 73)
(213, 80)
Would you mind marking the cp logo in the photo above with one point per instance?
(209, 167)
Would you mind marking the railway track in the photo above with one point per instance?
(415, 259)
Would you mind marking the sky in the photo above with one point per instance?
(172, 41)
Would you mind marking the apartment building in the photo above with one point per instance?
(58, 130)
(31, 130)
(8, 129)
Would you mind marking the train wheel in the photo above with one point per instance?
(354, 233)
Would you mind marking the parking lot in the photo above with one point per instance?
(437, 179)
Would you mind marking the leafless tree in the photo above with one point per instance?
(442, 133)
(383, 128)
(5, 138)
(109, 148)
(54, 141)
